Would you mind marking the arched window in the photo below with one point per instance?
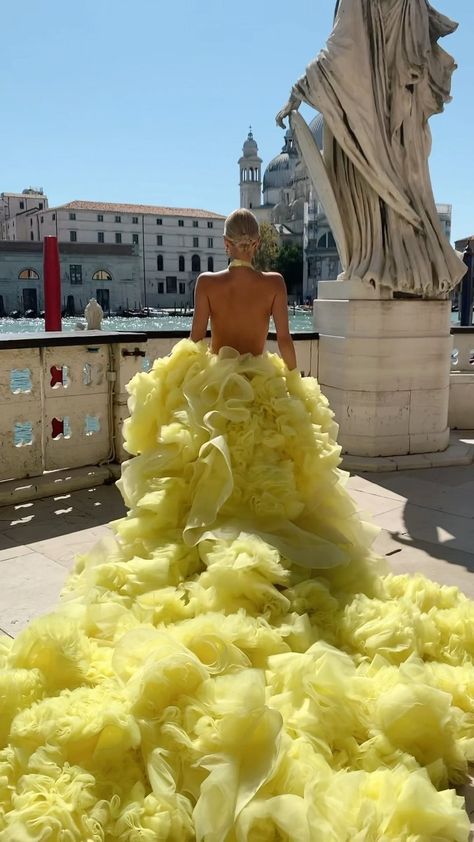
(322, 242)
(331, 241)
(159, 262)
(28, 275)
(101, 275)
(195, 263)
(181, 264)
(210, 263)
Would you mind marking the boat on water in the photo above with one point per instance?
(146, 312)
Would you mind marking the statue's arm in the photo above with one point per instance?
(294, 102)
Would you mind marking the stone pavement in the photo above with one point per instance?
(426, 517)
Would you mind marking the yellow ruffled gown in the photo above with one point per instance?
(233, 665)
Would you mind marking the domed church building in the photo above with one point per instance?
(286, 198)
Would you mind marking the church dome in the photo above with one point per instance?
(280, 170)
(317, 128)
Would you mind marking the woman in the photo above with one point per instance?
(239, 301)
(231, 666)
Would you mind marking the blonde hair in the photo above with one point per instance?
(241, 228)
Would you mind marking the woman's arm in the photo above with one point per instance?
(280, 317)
(202, 310)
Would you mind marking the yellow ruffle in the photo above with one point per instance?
(234, 664)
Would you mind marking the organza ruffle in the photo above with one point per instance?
(234, 664)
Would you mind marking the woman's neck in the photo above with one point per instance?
(242, 254)
(236, 262)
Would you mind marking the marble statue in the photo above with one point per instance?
(379, 79)
(94, 315)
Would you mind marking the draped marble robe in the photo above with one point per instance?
(377, 82)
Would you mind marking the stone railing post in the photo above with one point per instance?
(384, 365)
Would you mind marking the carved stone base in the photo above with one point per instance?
(384, 365)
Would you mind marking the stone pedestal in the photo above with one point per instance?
(384, 365)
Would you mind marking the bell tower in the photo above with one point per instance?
(250, 166)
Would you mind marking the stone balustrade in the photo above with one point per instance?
(64, 399)
(462, 357)
(461, 384)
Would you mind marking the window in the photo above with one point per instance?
(28, 275)
(41, 218)
(54, 217)
(101, 275)
(72, 216)
(75, 273)
(159, 222)
(22, 205)
(100, 217)
(31, 223)
(40, 205)
(195, 223)
(171, 284)
(100, 237)
(181, 223)
(210, 224)
(182, 288)
(161, 287)
(195, 263)
(135, 220)
(159, 262)
(118, 237)
(73, 236)
(181, 263)
(195, 242)
(135, 239)
(32, 236)
(210, 263)
(118, 218)
(159, 239)
(210, 242)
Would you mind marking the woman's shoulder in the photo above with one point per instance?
(207, 277)
(274, 278)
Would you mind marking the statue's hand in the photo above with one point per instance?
(292, 105)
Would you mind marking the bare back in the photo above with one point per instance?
(239, 302)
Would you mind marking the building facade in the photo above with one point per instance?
(109, 273)
(171, 245)
(13, 206)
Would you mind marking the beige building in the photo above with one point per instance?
(13, 207)
(172, 245)
(109, 273)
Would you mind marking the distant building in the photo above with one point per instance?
(461, 245)
(287, 199)
(173, 245)
(14, 205)
(109, 273)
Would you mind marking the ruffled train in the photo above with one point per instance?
(234, 664)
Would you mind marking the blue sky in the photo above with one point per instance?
(151, 101)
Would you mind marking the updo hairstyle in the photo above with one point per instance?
(241, 228)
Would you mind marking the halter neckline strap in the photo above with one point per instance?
(236, 263)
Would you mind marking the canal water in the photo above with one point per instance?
(300, 322)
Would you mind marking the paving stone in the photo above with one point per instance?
(30, 587)
(64, 552)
